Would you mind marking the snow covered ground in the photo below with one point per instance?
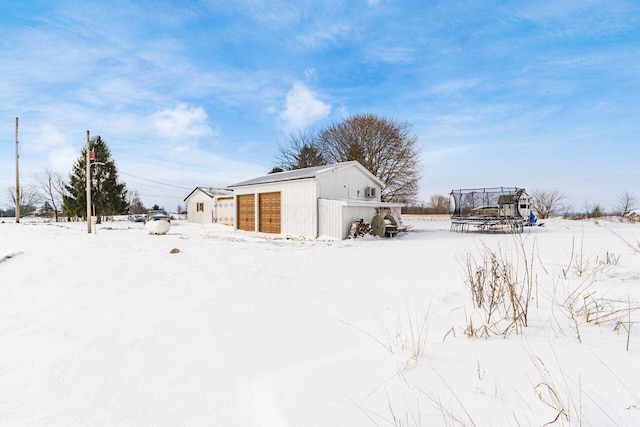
(243, 330)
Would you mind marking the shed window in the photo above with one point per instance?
(200, 207)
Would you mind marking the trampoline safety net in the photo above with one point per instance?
(499, 209)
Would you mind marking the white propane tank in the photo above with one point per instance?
(157, 227)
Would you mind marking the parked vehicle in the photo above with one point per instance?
(137, 218)
(157, 215)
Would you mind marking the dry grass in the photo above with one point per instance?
(411, 331)
(581, 264)
(502, 283)
(500, 292)
(547, 392)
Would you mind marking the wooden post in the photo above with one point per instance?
(88, 186)
(17, 177)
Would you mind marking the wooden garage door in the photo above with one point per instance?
(246, 212)
(269, 208)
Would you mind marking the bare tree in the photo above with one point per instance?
(567, 210)
(546, 202)
(29, 198)
(439, 204)
(626, 203)
(302, 152)
(135, 203)
(52, 187)
(383, 146)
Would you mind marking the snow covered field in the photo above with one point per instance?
(243, 330)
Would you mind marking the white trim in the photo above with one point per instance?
(366, 203)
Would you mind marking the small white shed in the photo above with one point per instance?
(321, 201)
(210, 205)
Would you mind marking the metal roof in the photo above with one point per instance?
(305, 173)
(211, 191)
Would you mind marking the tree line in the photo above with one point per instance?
(545, 203)
(552, 203)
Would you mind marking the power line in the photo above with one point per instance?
(136, 183)
(161, 196)
(156, 182)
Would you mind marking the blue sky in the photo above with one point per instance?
(542, 95)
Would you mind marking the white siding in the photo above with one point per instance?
(203, 217)
(335, 218)
(299, 205)
(346, 183)
(330, 219)
(215, 211)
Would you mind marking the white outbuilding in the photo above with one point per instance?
(210, 205)
(321, 201)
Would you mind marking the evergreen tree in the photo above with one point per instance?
(46, 209)
(302, 153)
(108, 195)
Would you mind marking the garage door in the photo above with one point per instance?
(269, 206)
(246, 212)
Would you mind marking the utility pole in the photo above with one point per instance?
(88, 173)
(17, 177)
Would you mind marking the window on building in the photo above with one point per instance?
(200, 207)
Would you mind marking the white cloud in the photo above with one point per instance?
(47, 136)
(442, 155)
(327, 35)
(61, 159)
(578, 18)
(393, 55)
(310, 74)
(343, 112)
(183, 123)
(453, 87)
(303, 108)
(48, 142)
